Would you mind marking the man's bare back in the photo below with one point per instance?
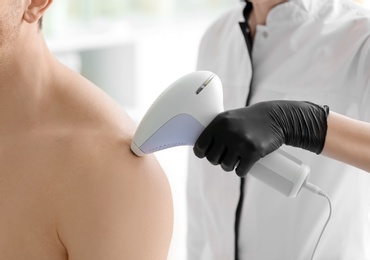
(70, 188)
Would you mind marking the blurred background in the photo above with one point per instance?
(134, 49)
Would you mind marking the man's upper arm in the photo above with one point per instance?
(120, 210)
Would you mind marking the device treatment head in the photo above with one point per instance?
(180, 114)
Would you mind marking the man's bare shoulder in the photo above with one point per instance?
(112, 203)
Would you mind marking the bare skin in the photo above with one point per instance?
(70, 188)
(348, 140)
(258, 16)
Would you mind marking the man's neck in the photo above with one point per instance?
(261, 8)
(23, 77)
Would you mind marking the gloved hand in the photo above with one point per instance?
(239, 138)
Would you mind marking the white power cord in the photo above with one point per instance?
(311, 187)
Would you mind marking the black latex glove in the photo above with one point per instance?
(240, 137)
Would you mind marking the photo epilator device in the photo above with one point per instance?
(181, 113)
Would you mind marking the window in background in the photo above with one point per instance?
(72, 14)
(66, 15)
(104, 40)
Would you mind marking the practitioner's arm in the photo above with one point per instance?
(240, 137)
(348, 140)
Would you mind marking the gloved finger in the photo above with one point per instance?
(216, 153)
(230, 161)
(203, 144)
(244, 166)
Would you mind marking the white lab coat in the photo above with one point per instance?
(315, 50)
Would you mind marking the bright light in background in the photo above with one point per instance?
(75, 27)
(365, 3)
(133, 49)
(68, 13)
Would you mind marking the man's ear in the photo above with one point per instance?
(35, 9)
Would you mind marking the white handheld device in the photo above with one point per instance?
(180, 114)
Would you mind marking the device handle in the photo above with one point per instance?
(282, 172)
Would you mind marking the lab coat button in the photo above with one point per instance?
(265, 34)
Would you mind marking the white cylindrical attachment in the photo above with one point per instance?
(282, 172)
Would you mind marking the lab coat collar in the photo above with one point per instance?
(295, 11)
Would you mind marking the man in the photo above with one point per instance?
(312, 50)
(70, 188)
